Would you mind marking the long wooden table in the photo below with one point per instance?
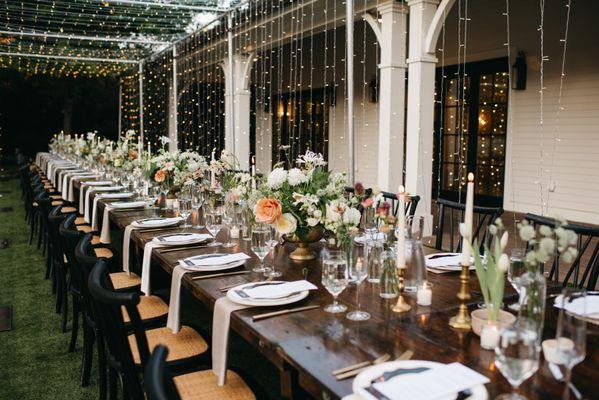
(306, 346)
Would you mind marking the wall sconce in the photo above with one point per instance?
(519, 72)
(374, 90)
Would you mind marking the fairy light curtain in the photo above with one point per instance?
(157, 78)
(129, 102)
(93, 31)
(201, 90)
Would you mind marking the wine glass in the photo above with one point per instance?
(370, 223)
(197, 201)
(514, 274)
(571, 334)
(517, 357)
(359, 274)
(260, 244)
(228, 214)
(185, 211)
(214, 223)
(273, 242)
(154, 194)
(335, 278)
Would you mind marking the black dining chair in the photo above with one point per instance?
(160, 384)
(584, 270)
(451, 214)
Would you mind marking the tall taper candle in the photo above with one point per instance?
(401, 228)
(468, 218)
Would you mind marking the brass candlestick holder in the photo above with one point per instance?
(401, 305)
(462, 319)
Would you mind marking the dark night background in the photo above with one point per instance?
(34, 107)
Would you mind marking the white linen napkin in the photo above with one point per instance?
(62, 177)
(94, 217)
(438, 262)
(215, 261)
(91, 188)
(221, 319)
(90, 191)
(105, 234)
(145, 266)
(71, 184)
(278, 291)
(174, 304)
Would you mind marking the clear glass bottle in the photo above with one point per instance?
(388, 287)
(415, 274)
(375, 261)
(531, 315)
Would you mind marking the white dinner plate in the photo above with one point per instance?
(182, 238)
(128, 204)
(209, 268)
(235, 298)
(156, 222)
(365, 378)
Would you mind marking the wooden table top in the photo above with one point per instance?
(306, 346)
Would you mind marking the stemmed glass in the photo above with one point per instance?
(260, 244)
(370, 223)
(335, 278)
(197, 201)
(273, 242)
(514, 273)
(517, 357)
(571, 334)
(228, 215)
(185, 211)
(214, 223)
(153, 194)
(359, 274)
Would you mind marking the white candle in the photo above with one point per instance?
(468, 218)
(489, 337)
(401, 225)
(234, 232)
(253, 170)
(424, 295)
(149, 148)
(212, 177)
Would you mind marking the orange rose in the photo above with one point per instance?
(132, 154)
(268, 211)
(160, 176)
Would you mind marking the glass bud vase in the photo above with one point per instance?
(374, 259)
(389, 285)
(532, 302)
(415, 274)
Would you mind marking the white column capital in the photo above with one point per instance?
(393, 6)
(423, 58)
(412, 3)
(393, 65)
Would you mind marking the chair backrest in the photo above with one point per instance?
(55, 218)
(70, 237)
(451, 214)
(158, 380)
(107, 304)
(584, 270)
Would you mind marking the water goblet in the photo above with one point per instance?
(185, 211)
(260, 244)
(514, 274)
(335, 278)
(517, 357)
(359, 274)
(571, 334)
(214, 223)
(228, 214)
(273, 242)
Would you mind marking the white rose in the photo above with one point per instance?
(351, 216)
(312, 221)
(286, 225)
(277, 178)
(296, 177)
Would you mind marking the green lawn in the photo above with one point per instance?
(34, 362)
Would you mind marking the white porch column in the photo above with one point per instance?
(391, 34)
(420, 122)
(241, 107)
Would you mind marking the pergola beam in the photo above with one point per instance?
(69, 36)
(71, 58)
(164, 5)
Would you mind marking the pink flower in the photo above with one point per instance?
(367, 202)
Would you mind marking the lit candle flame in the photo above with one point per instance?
(470, 177)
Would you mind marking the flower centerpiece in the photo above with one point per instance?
(174, 169)
(295, 201)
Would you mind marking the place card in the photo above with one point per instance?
(438, 382)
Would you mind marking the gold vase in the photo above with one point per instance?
(303, 252)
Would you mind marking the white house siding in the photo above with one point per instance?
(366, 128)
(573, 161)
